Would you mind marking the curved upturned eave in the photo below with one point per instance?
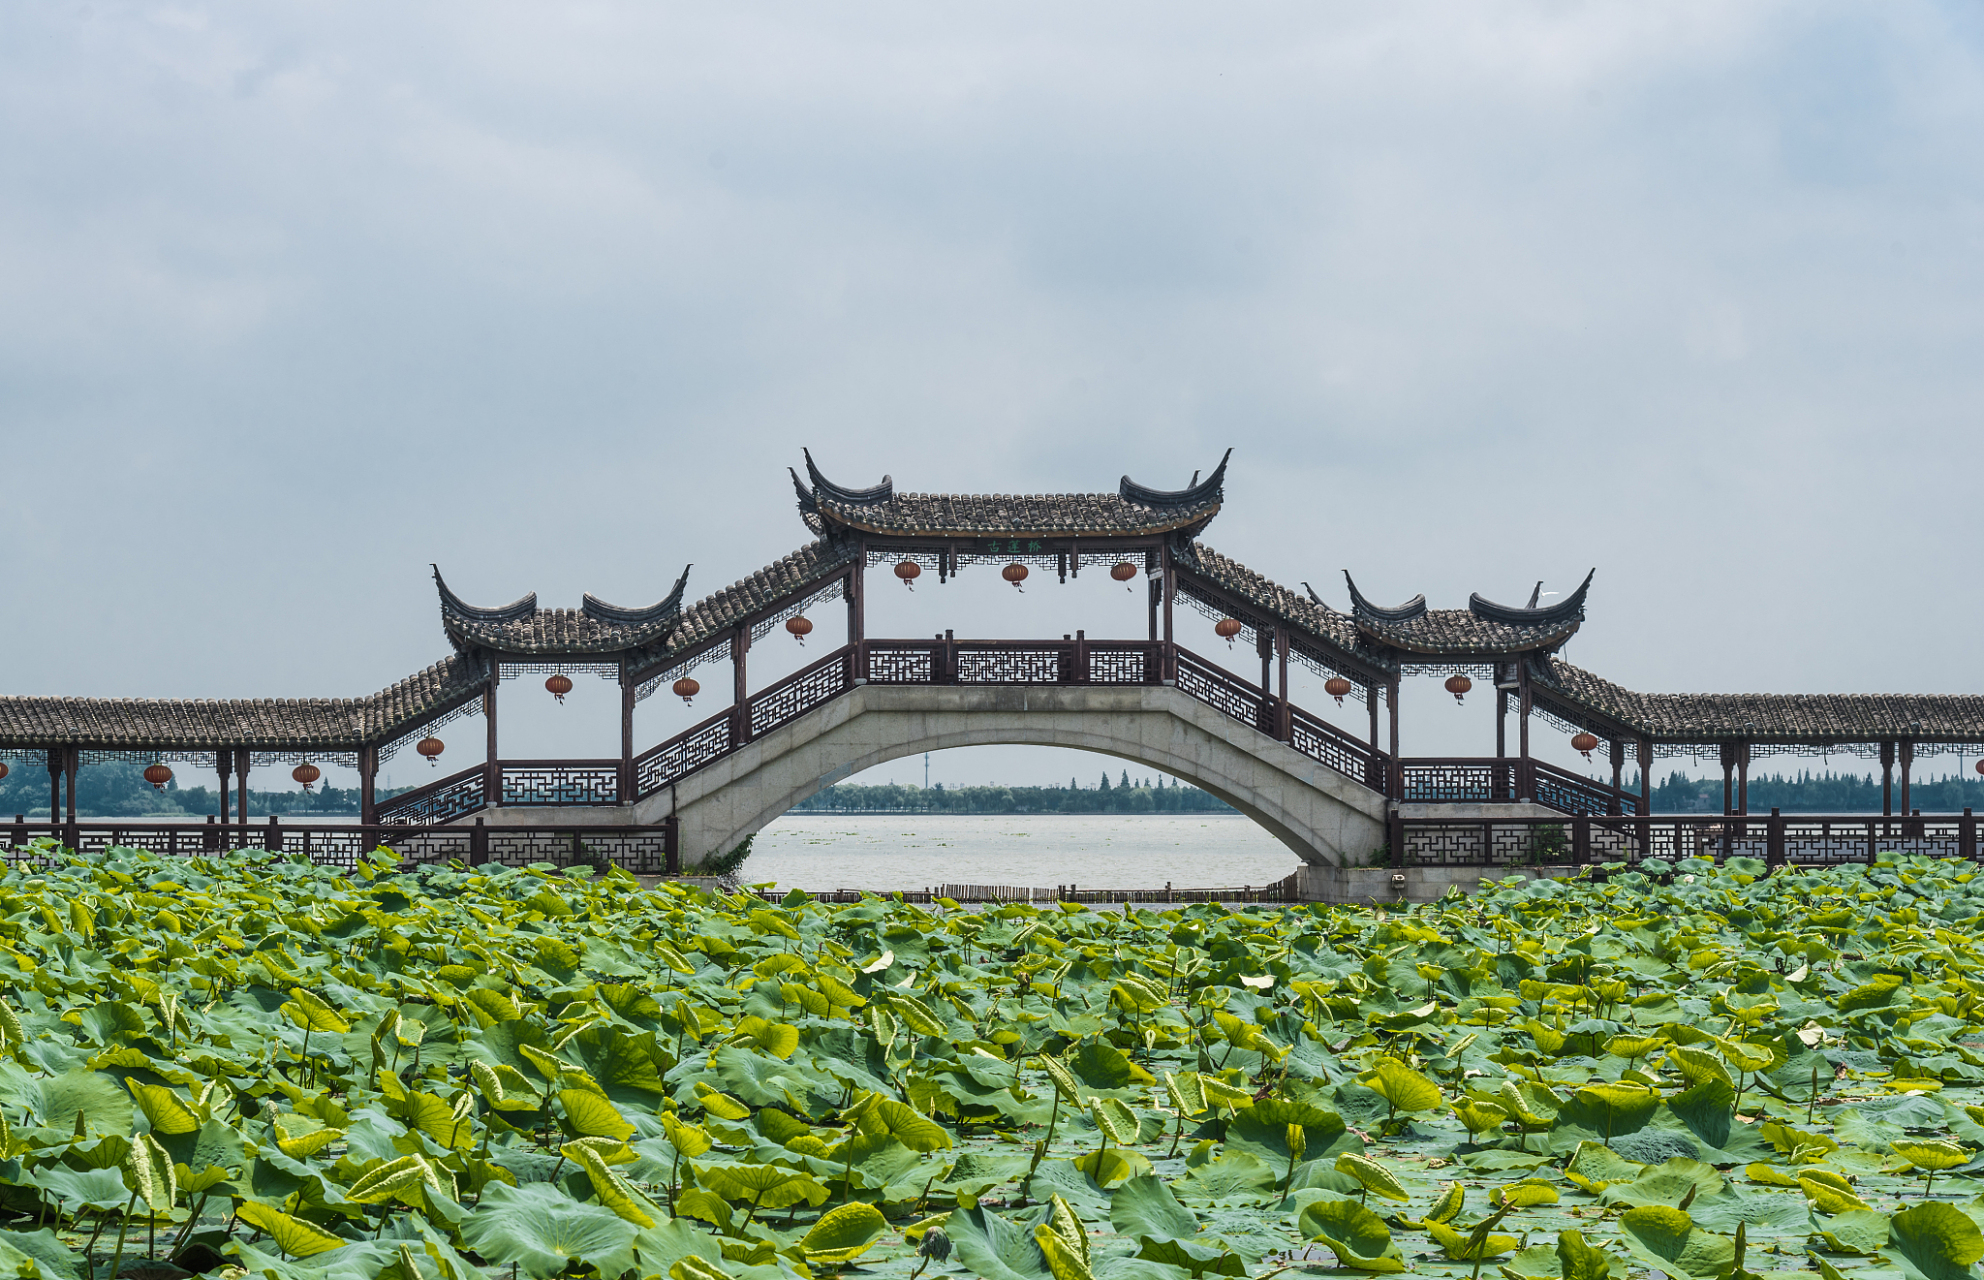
(1158, 529)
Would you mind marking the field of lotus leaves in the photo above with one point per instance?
(250, 1065)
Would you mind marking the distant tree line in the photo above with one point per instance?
(1123, 796)
(118, 790)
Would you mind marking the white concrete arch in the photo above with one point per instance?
(1323, 816)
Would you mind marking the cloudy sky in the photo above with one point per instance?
(296, 299)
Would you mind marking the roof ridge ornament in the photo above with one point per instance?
(823, 487)
(1212, 489)
(1413, 608)
(598, 609)
(521, 607)
(1571, 606)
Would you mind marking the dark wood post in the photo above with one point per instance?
(1170, 638)
(740, 645)
(1374, 781)
(1501, 724)
(1728, 777)
(242, 759)
(1525, 777)
(627, 690)
(1154, 588)
(1966, 836)
(1396, 787)
(478, 843)
(1613, 806)
(1395, 835)
(1580, 839)
(224, 765)
(1774, 839)
(368, 781)
(1907, 754)
(671, 845)
(1887, 779)
(56, 756)
(1646, 774)
(1742, 777)
(73, 765)
(492, 773)
(1287, 726)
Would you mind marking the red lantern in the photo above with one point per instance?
(306, 773)
(3, 768)
(432, 749)
(1227, 629)
(1123, 572)
(1980, 768)
(1458, 686)
(558, 686)
(909, 571)
(1583, 744)
(687, 688)
(1015, 574)
(1336, 687)
(800, 627)
(158, 775)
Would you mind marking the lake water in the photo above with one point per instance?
(1102, 851)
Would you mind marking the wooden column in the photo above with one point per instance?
(857, 624)
(1396, 788)
(1887, 778)
(1264, 646)
(224, 765)
(1170, 639)
(1907, 754)
(1501, 724)
(1618, 767)
(1525, 783)
(740, 645)
(1728, 777)
(1287, 733)
(627, 690)
(368, 779)
(1646, 775)
(1742, 777)
(242, 759)
(56, 756)
(1371, 705)
(1153, 588)
(492, 773)
(72, 766)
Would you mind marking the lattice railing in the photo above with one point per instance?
(1015, 664)
(454, 796)
(890, 664)
(1772, 840)
(1222, 691)
(683, 754)
(1437, 780)
(558, 783)
(801, 691)
(1134, 663)
(1570, 793)
(1322, 741)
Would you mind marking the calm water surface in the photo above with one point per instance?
(1103, 851)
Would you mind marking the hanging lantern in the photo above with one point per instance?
(686, 688)
(1014, 573)
(158, 775)
(1227, 629)
(3, 768)
(800, 626)
(1336, 687)
(558, 686)
(909, 571)
(1458, 686)
(432, 749)
(1584, 743)
(1980, 768)
(306, 773)
(1123, 572)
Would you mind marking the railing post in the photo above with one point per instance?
(478, 844)
(1580, 840)
(273, 840)
(210, 838)
(671, 845)
(1395, 836)
(1966, 836)
(1774, 838)
(1081, 674)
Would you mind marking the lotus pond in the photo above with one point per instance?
(253, 1066)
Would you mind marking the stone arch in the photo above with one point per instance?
(1322, 816)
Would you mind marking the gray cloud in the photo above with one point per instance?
(294, 300)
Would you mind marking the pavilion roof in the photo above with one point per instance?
(1482, 630)
(1807, 719)
(713, 614)
(1132, 511)
(521, 628)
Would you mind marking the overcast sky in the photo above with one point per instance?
(297, 298)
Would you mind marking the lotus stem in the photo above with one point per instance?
(123, 1225)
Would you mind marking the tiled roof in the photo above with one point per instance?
(707, 617)
(522, 628)
(1484, 629)
(1800, 718)
(1132, 510)
(1307, 615)
(273, 724)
